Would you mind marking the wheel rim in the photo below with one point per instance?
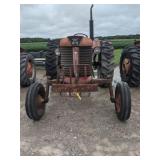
(40, 105)
(118, 103)
(126, 66)
(29, 69)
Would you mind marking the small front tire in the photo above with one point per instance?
(35, 101)
(123, 101)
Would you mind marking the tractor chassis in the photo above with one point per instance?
(58, 85)
(38, 95)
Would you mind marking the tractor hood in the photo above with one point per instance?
(75, 41)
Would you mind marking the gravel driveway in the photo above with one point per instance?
(88, 127)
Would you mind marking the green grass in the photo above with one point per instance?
(121, 43)
(35, 46)
(117, 54)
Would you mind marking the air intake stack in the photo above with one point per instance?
(91, 27)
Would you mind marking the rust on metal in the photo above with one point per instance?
(71, 84)
(126, 65)
(81, 80)
(29, 69)
(86, 42)
(74, 87)
(76, 78)
(65, 42)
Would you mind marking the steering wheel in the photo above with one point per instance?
(80, 34)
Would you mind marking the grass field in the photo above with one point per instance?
(117, 54)
(118, 44)
(121, 43)
(37, 46)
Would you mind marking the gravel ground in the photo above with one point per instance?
(89, 127)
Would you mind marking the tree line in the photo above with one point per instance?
(135, 36)
(30, 40)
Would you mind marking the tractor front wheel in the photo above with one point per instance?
(35, 101)
(122, 101)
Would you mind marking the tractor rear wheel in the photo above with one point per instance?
(35, 101)
(27, 70)
(122, 101)
(106, 66)
(51, 60)
(130, 66)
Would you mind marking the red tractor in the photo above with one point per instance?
(69, 68)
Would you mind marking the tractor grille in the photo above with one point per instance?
(85, 57)
(66, 59)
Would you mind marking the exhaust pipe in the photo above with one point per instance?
(91, 27)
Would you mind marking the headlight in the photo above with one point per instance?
(57, 52)
(97, 50)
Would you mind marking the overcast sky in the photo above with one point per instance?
(56, 21)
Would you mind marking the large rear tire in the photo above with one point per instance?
(27, 70)
(51, 60)
(35, 101)
(130, 66)
(106, 66)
